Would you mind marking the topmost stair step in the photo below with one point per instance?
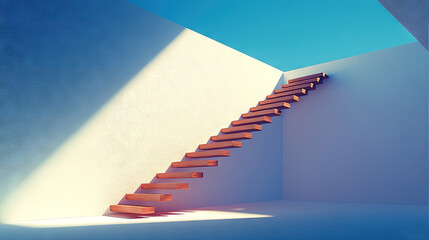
(316, 81)
(320, 75)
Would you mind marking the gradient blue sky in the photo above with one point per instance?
(288, 34)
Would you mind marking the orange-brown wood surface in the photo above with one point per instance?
(164, 186)
(320, 75)
(132, 209)
(180, 175)
(298, 92)
(312, 80)
(231, 144)
(233, 136)
(195, 163)
(279, 105)
(288, 99)
(259, 120)
(210, 153)
(306, 86)
(245, 128)
(269, 112)
(149, 197)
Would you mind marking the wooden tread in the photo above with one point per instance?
(233, 136)
(320, 75)
(195, 163)
(298, 92)
(259, 120)
(149, 197)
(231, 144)
(245, 128)
(268, 112)
(279, 105)
(179, 175)
(132, 209)
(288, 99)
(306, 86)
(312, 80)
(164, 186)
(210, 153)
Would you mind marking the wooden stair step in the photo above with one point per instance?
(195, 163)
(279, 105)
(233, 136)
(259, 120)
(210, 153)
(173, 186)
(231, 144)
(245, 128)
(132, 209)
(149, 197)
(298, 92)
(179, 175)
(268, 112)
(306, 86)
(312, 80)
(288, 99)
(320, 75)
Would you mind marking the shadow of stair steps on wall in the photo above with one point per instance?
(132, 209)
(149, 197)
(179, 175)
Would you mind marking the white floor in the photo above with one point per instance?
(262, 220)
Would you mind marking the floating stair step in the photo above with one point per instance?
(132, 209)
(312, 80)
(245, 128)
(298, 92)
(211, 153)
(288, 99)
(149, 197)
(234, 136)
(180, 175)
(269, 112)
(279, 105)
(320, 75)
(164, 186)
(260, 120)
(231, 144)
(306, 86)
(195, 163)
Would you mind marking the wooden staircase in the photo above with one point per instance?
(240, 130)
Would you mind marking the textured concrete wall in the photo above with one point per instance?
(98, 96)
(362, 135)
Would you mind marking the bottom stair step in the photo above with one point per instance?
(132, 209)
(194, 163)
(149, 197)
(173, 186)
(180, 175)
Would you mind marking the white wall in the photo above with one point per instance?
(362, 135)
(101, 96)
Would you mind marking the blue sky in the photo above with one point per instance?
(288, 34)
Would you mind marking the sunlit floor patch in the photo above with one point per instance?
(193, 215)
